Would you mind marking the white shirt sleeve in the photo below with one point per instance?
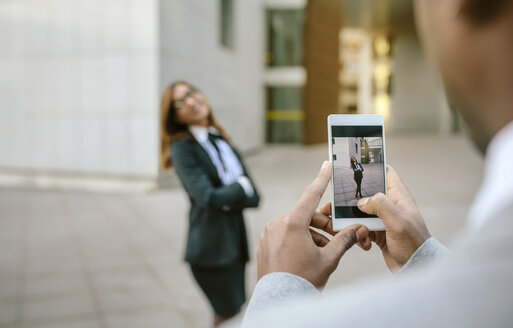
(246, 185)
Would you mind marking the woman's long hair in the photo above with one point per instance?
(171, 130)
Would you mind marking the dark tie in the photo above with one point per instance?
(212, 138)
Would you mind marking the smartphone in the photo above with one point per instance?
(358, 158)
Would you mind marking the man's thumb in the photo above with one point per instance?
(380, 206)
(345, 239)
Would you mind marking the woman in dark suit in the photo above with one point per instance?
(219, 187)
(358, 175)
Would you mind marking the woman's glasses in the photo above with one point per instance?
(185, 102)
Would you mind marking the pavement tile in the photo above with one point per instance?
(7, 313)
(61, 308)
(49, 264)
(8, 286)
(134, 300)
(54, 285)
(158, 319)
(66, 323)
(179, 280)
(196, 310)
(133, 279)
(132, 245)
(111, 260)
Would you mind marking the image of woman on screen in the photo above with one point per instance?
(213, 175)
(358, 175)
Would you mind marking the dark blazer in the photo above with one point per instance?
(217, 235)
(358, 175)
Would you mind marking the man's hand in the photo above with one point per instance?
(405, 227)
(288, 244)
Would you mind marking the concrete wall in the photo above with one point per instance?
(344, 148)
(418, 102)
(80, 80)
(78, 86)
(231, 78)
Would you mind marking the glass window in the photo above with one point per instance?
(226, 24)
(285, 37)
(284, 98)
(284, 114)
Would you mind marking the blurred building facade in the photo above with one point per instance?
(81, 80)
(372, 150)
(344, 149)
(395, 77)
(79, 86)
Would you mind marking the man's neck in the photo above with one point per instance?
(499, 116)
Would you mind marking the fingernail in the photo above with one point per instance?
(324, 164)
(362, 202)
(360, 233)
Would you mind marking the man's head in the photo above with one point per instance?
(471, 42)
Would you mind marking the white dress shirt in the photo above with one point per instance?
(497, 187)
(234, 171)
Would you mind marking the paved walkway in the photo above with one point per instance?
(72, 259)
(345, 187)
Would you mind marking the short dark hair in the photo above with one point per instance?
(483, 11)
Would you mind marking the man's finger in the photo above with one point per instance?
(323, 222)
(309, 200)
(318, 238)
(373, 235)
(326, 209)
(393, 178)
(379, 238)
(345, 239)
(382, 207)
(365, 244)
(395, 186)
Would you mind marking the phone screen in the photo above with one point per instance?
(358, 167)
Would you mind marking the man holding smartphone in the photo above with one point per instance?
(471, 42)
